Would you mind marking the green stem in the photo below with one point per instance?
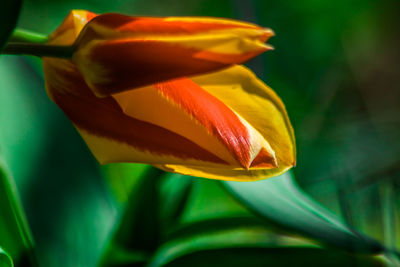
(39, 50)
(389, 220)
(21, 35)
(24, 42)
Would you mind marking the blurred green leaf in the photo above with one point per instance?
(15, 235)
(213, 225)
(260, 257)
(208, 200)
(5, 259)
(16, 160)
(8, 18)
(249, 246)
(67, 203)
(281, 201)
(138, 231)
(123, 178)
(174, 194)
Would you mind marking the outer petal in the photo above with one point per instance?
(70, 28)
(112, 47)
(226, 125)
(258, 104)
(201, 135)
(183, 107)
(112, 135)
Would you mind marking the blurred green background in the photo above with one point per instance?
(336, 67)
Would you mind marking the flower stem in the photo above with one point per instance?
(24, 42)
(21, 35)
(39, 50)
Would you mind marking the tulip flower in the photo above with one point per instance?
(168, 92)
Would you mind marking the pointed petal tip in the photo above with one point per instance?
(267, 32)
(269, 47)
(264, 159)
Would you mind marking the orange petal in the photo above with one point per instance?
(114, 66)
(111, 135)
(113, 47)
(118, 23)
(238, 88)
(183, 107)
(70, 28)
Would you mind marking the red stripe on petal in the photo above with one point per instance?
(264, 159)
(150, 62)
(213, 114)
(104, 117)
(154, 25)
(230, 59)
(90, 16)
(131, 64)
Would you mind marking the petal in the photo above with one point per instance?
(112, 47)
(183, 107)
(111, 135)
(115, 24)
(70, 28)
(258, 104)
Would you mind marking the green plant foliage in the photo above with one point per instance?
(8, 18)
(5, 259)
(174, 194)
(260, 257)
(15, 236)
(67, 203)
(249, 246)
(123, 178)
(139, 232)
(281, 201)
(201, 230)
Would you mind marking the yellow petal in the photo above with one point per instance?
(70, 28)
(112, 47)
(259, 105)
(183, 107)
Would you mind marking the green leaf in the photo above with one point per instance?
(69, 207)
(156, 202)
(5, 259)
(259, 256)
(8, 18)
(15, 160)
(175, 191)
(15, 234)
(123, 178)
(249, 246)
(298, 256)
(208, 200)
(279, 200)
(138, 232)
(213, 225)
(139, 229)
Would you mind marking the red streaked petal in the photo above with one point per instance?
(113, 47)
(213, 114)
(263, 160)
(165, 25)
(260, 106)
(104, 118)
(71, 26)
(109, 67)
(186, 109)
